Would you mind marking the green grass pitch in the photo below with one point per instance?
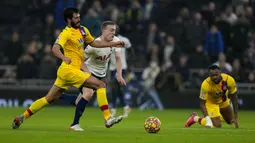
(51, 126)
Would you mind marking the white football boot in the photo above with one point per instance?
(111, 121)
(76, 128)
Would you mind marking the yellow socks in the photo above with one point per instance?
(103, 103)
(36, 106)
(200, 120)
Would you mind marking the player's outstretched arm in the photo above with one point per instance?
(203, 108)
(119, 68)
(56, 51)
(233, 98)
(103, 44)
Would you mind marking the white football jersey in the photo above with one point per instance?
(112, 66)
(97, 59)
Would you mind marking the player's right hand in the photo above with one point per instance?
(121, 80)
(235, 121)
(67, 60)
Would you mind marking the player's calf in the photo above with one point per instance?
(227, 114)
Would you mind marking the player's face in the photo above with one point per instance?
(75, 21)
(108, 32)
(215, 76)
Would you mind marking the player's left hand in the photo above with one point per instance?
(235, 121)
(120, 44)
(121, 80)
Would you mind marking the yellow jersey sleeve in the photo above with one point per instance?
(204, 90)
(88, 38)
(62, 38)
(231, 85)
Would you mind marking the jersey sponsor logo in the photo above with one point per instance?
(218, 94)
(103, 58)
(80, 40)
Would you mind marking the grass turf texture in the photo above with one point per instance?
(51, 126)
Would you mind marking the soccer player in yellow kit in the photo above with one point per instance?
(70, 73)
(216, 92)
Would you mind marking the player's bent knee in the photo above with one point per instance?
(50, 99)
(88, 93)
(217, 125)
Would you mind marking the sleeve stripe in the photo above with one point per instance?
(91, 42)
(207, 81)
(59, 45)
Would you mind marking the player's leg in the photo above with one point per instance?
(213, 112)
(227, 114)
(125, 97)
(115, 94)
(114, 91)
(194, 118)
(216, 122)
(52, 95)
(127, 100)
(226, 111)
(81, 103)
(100, 88)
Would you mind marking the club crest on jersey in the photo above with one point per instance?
(83, 33)
(224, 85)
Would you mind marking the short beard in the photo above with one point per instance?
(74, 25)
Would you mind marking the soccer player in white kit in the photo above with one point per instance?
(96, 62)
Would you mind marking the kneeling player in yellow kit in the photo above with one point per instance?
(216, 92)
(70, 73)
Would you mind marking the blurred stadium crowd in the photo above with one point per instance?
(177, 39)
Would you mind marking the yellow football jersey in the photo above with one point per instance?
(72, 41)
(217, 93)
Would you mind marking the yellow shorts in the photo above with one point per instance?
(69, 76)
(214, 109)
